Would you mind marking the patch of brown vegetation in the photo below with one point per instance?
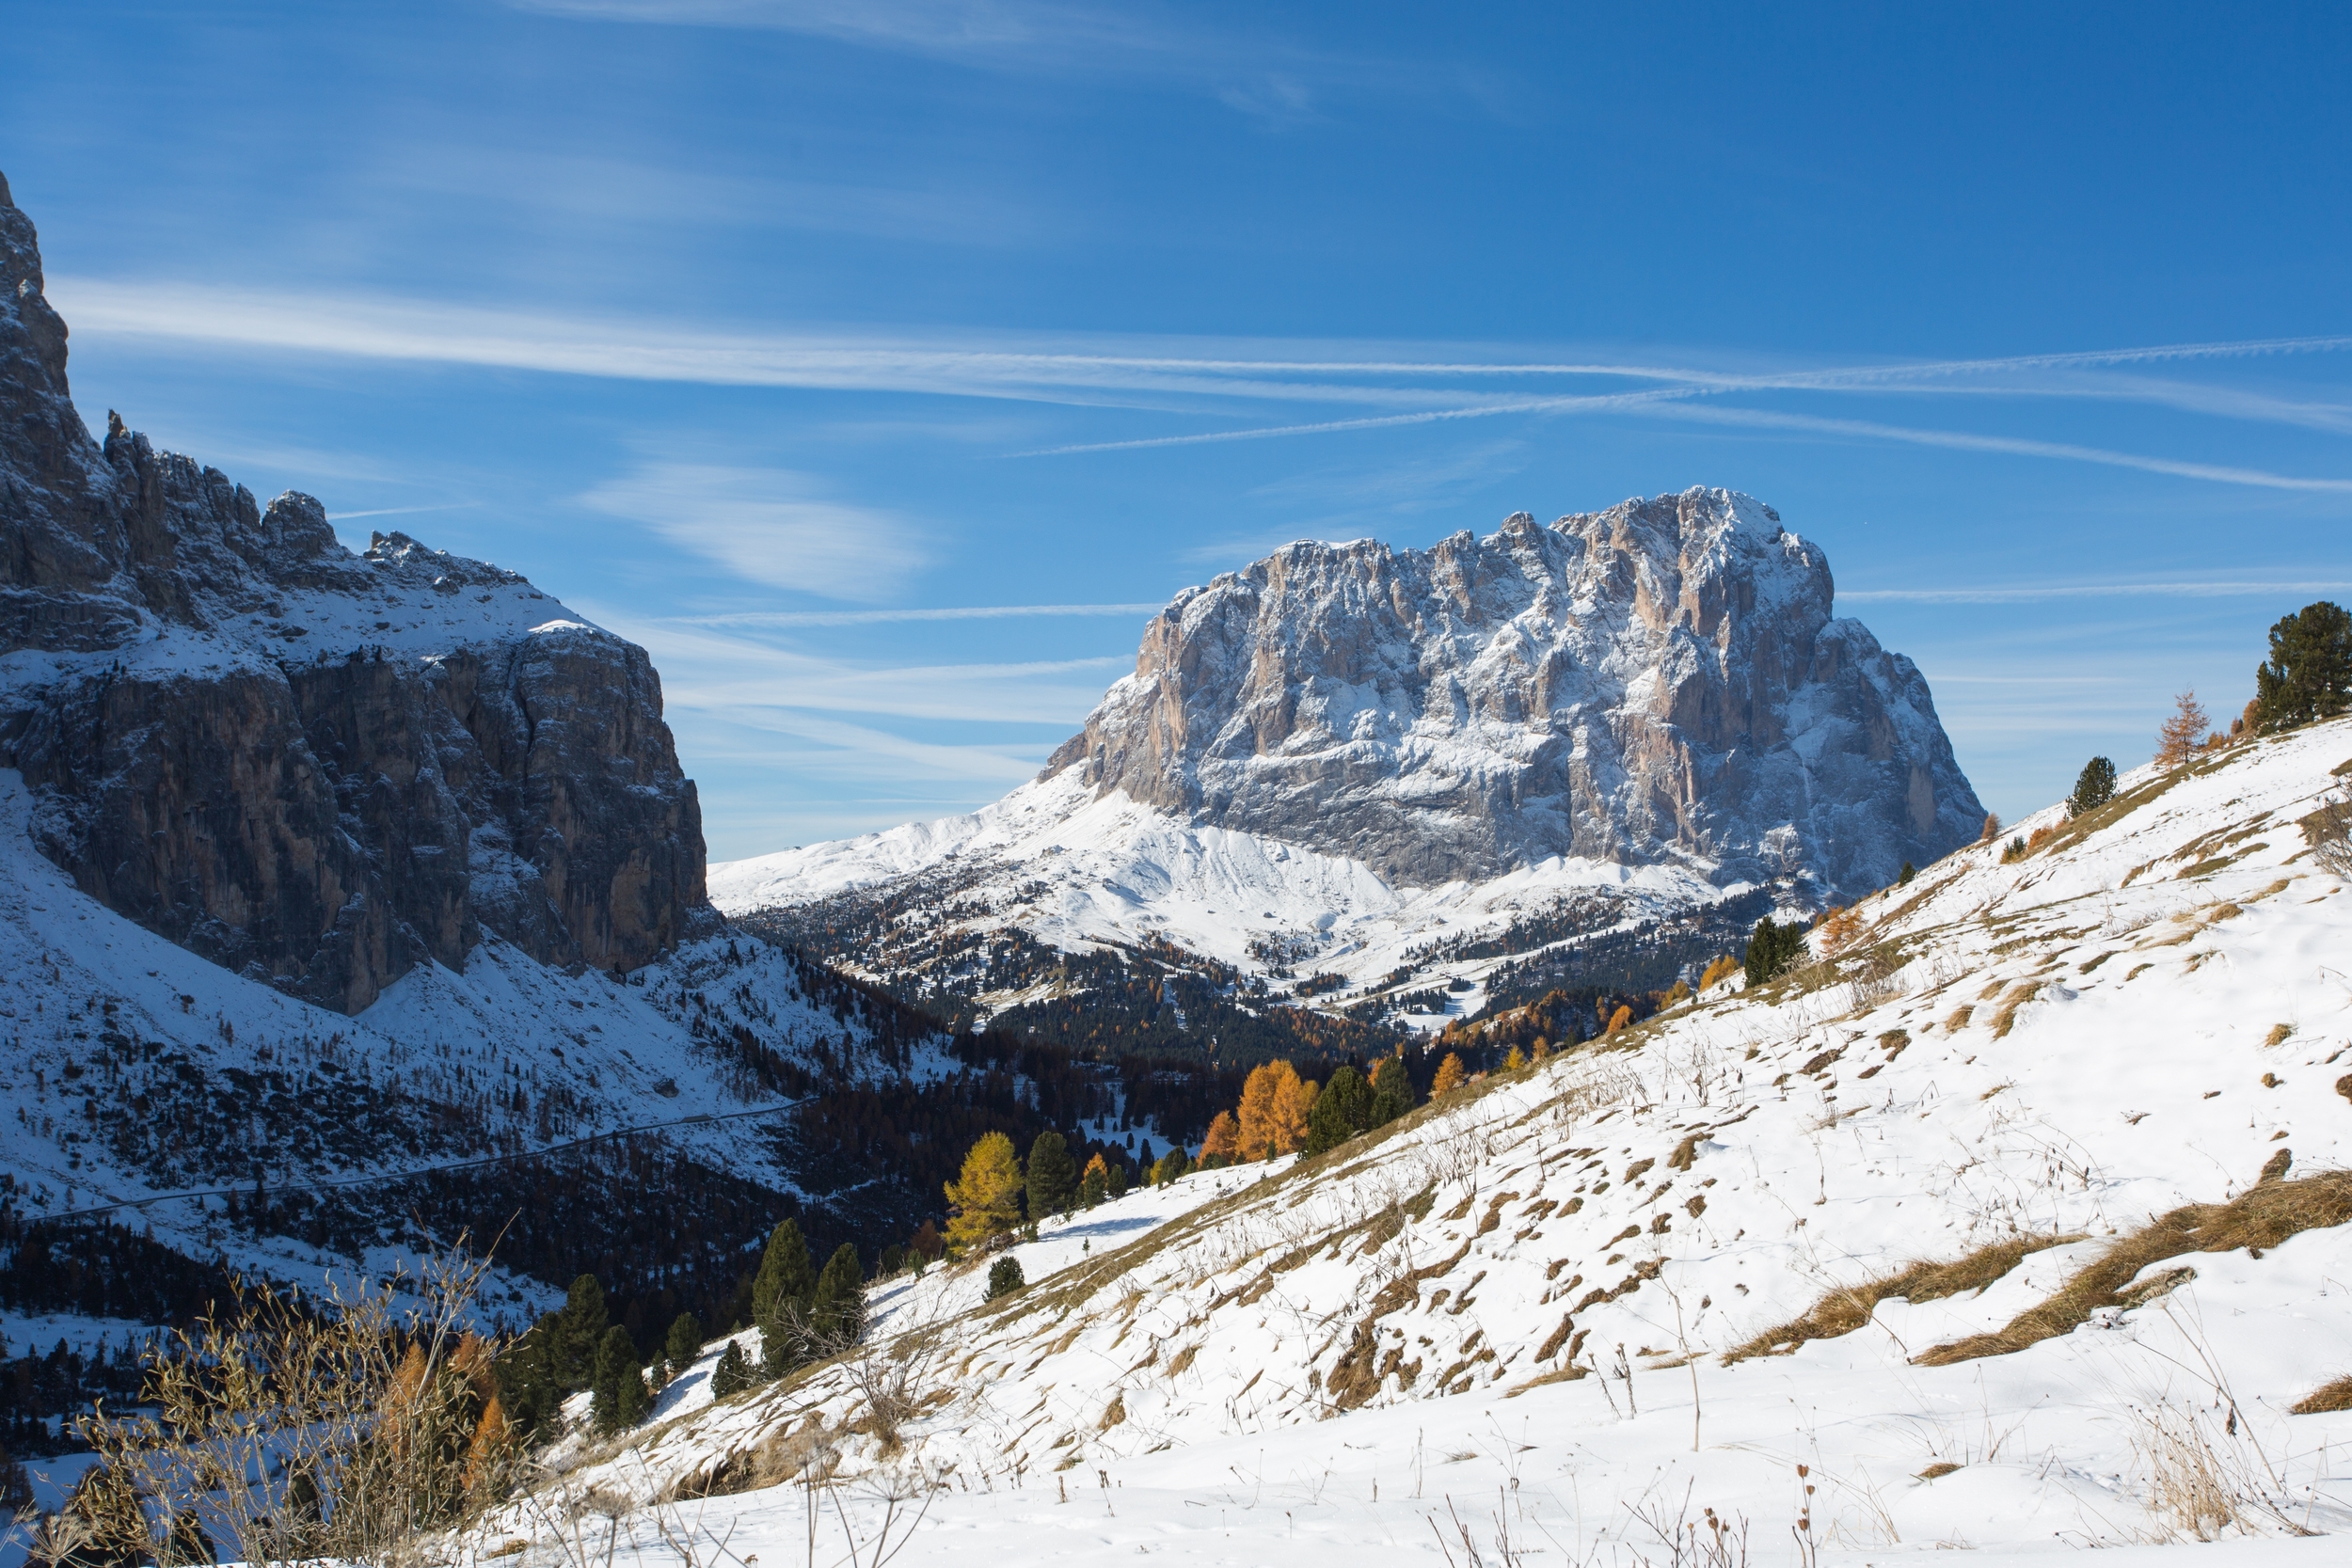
(1353, 1378)
(1842, 1311)
(2327, 1397)
(2019, 994)
(1494, 1212)
(2261, 1217)
(1568, 1373)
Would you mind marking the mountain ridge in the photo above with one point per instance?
(1346, 762)
(317, 768)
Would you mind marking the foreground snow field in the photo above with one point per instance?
(1497, 1331)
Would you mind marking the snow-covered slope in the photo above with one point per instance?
(1518, 1307)
(134, 1069)
(1069, 867)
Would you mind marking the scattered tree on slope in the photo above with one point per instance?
(985, 1200)
(2308, 672)
(2179, 737)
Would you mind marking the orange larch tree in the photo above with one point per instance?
(1450, 1076)
(2179, 737)
(1223, 1138)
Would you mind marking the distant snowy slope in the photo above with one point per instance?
(135, 1068)
(1518, 1307)
(1068, 867)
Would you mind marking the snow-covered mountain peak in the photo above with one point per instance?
(1347, 757)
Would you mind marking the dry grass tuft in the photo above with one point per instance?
(1843, 1310)
(2279, 1033)
(2327, 1397)
(2261, 1217)
(2019, 994)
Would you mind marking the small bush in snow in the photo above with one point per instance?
(1004, 1278)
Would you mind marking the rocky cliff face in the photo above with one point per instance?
(312, 767)
(1658, 682)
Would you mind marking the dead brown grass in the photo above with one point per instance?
(1845, 1309)
(2261, 1217)
(2327, 1397)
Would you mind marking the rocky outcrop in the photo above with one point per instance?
(1662, 681)
(316, 767)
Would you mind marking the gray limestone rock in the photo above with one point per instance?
(317, 768)
(1659, 681)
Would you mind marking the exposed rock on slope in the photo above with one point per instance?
(1661, 681)
(314, 768)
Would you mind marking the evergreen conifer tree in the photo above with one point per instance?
(1343, 1110)
(578, 1333)
(1392, 1090)
(1902, 878)
(684, 1343)
(2308, 673)
(1172, 1166)
(2094, 786)
(1094, 1184)
(1771, 948)
(1052, 1176)
(733, 1374)
(781, 1294)
(1004, 1277)
(1116, 1184)
(839, 1312)
(615, 1368)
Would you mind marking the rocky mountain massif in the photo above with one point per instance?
(1367, 769)
(318, 769)
(352, 902)
(1658, 682)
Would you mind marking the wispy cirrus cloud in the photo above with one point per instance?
(717, 672)
(1228, 381)
(2041, 592)
(772, 526)
(1265, 76)
(790, 619)
(1961, 440)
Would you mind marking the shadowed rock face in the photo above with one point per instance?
(1658, 681)
(316, 767)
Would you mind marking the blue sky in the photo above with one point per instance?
(872, 363)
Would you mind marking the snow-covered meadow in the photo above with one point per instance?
(1508, 1315)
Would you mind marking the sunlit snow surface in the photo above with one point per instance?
(1112, 869)
(1172, 1399)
